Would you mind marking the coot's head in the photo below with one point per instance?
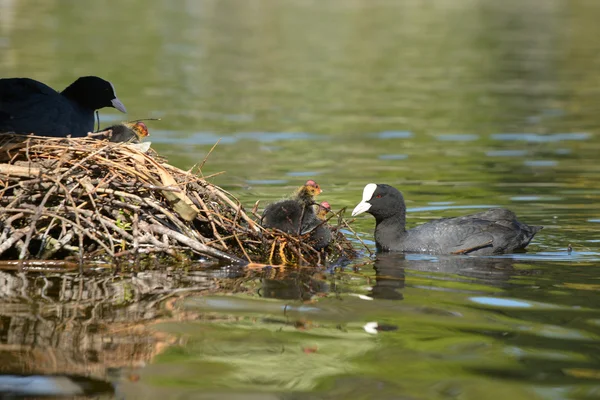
(93, 93)
(307, 192)
(322, 210)
(381, 201)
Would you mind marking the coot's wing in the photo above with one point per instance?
(28, 106)
(477, 231)
(465, 236)
(21, 89)
(500, 216)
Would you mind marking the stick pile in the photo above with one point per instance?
(90, 200)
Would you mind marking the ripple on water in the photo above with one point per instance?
(394, 135)
(506, 153)
(200, 138)
(446, 207)
(534, 137)
(276, 136)
(303, 173)
(540, 163)
(574, 256)
(498, 302)
(460, 137)
(393, 157)
(562, 151)
(266, 181)
(525, 198)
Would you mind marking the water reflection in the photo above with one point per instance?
(57, 386)
(65, 326)
(294, 285)
(389, 276)
(391, 270)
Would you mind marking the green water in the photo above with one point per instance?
(461, 104)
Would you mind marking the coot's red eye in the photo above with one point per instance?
(378, 196)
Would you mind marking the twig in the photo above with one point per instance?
(193, 244)
(207, 155)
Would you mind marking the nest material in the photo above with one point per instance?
(91, 200)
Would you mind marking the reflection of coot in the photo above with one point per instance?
(28, 106)
(389, 276)
(495, 231)
(294, 286)
(390, 270)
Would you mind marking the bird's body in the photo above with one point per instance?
(320, 233)
(28, 106)
(495, 231)
(289, 216)
(294, 215)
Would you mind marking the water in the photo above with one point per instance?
(461, 104)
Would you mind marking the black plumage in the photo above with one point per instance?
(495, 231)
(28, 106)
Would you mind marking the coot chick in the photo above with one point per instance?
(320, 233)
(294, 215)
(28, 106)
(495, 231)
(322, 210)
(131, 132)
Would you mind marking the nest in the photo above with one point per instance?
(87, 200)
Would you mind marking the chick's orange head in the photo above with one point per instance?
(313, 187)
(141, 129)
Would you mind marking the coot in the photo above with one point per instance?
(322, 210)
(28, 106)
(495, 231)
(294, 215)
(132, 132)
(320, 233)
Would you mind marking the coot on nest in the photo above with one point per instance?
(495, 231)
(293, 215)
(28, 106)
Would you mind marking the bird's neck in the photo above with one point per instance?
(390, 231)
(79, 97)
(305, 198)
(397, 220)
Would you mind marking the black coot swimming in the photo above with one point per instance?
(28, 106)
(296, 214)
(495, 231)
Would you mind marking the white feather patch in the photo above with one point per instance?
(368, 191)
